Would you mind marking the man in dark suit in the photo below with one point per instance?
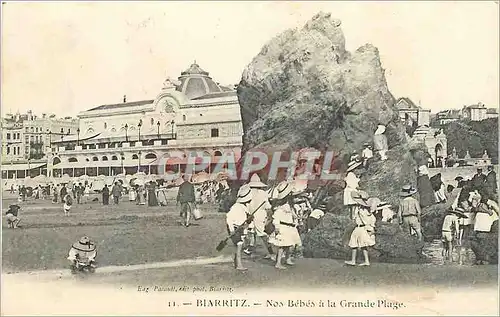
(490, 184)
(187, 199)
(477, 181)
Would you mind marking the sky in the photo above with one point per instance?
(64, 58)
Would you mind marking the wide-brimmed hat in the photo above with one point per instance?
(422, 169)
(408, 190)
(282, 190)
(84, 244)
(383, 205)
(14, 207)
(255, 182)
(459, 178)
(244, 194)
(352, 166)
(459, 211)
(380, 129)
(361, 198)
(373, 202)
(299, 187)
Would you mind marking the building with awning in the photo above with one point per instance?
(21, 170)
(193, 115)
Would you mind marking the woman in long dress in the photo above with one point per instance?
(105, 195)
(427, 197)
(152, 201)
(352, 182)
(141, 200)
(132, 193)
(86, 194)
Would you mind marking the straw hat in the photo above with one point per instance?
(422, 169)
(14, 207)
(361, 198)
(352, 165)
(383, 205)
(408, 190)
(84, 244)
(283, 190)
(244, 194)
(354, 157)
(255, 182)
(299, 187)
(459, 211)
(373, 202)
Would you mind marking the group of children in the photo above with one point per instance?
(278, 216)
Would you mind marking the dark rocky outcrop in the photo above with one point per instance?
(305, 90)
(392, 244)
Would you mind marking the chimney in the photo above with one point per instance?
(124, 98)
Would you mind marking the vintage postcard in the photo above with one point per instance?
(249, 158)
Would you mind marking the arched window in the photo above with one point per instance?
(105, 125)
(90, 130)
(183, 117)
(135, 157)
(104, 158)
(217, 153)
(114, 158)
(95, 159)
(152, 121)
(72, 159)
(56, 161)
(150, 156)
(87, 160)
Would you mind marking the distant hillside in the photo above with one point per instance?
(475, 136)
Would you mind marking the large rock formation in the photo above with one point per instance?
(305, 90)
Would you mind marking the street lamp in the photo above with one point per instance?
(126, 132)
(29, 167)
(158, 133)
(121, 158)
(139, 167)
(78, 136)
(172, 124)
(140, 125)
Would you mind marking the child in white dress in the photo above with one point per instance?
(286, 234)
(363, 235)
(237, 220)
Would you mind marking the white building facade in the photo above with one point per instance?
(26, 140)
(193, 114)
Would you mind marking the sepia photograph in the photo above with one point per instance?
(238, 158)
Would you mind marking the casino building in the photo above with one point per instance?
(192, 114)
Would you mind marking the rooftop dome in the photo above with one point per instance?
(195, 82)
